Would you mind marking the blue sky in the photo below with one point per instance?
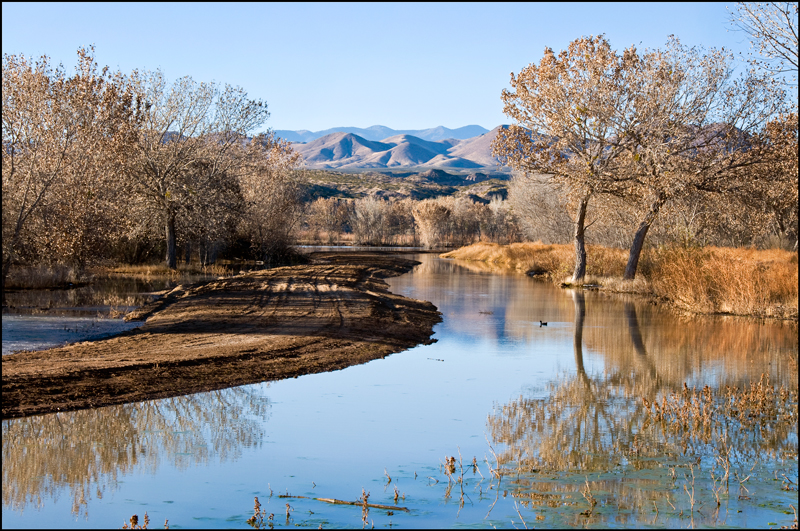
(405, 66)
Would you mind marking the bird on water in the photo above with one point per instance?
(542, 323)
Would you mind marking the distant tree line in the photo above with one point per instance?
(444, 221)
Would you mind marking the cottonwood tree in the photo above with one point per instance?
(464, 223)
(768, 190)
(400, 221)
(688, 125)
(271, 189)
(190, 139)
(62, 139)
(325, 214)
(565, 111)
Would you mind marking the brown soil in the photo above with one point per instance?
(259, 326)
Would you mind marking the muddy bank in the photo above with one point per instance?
(259, 326)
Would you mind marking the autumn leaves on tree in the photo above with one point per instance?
(95, 160)
(647, 128)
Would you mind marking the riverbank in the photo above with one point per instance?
(709, 280)
(258, 326)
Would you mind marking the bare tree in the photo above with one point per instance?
(270, 187)
(401, 221)
(432, 217)
(772, 26)
(565, 109)
(687, 126)
(369, 220)
(186, 128)
(325, 215)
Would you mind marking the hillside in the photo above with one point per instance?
(349, 151)
(479, 186)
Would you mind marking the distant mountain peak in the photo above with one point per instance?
(346, 149)
(380, 132)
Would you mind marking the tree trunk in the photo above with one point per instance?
(6, 269)
(172, 258)
(638, 239)
(579, 302)
(580, 243)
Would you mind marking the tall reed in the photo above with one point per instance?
(726, 280)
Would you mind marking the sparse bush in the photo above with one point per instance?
(432, 217)
(369, 219)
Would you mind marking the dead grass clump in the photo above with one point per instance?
(726, 280)
(604, 261)
(43, 277)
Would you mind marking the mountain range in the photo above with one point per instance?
(346, 150)
(379, 132)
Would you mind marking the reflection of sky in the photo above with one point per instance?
(25, 332)
(340, 430)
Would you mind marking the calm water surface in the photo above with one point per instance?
(39, 319)
(199, 460)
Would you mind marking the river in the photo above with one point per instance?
(389, 427)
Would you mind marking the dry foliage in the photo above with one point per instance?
(652, 128)
(724, 280)
(100, 166)
(62, 144)
(565, 111)
(703, 280)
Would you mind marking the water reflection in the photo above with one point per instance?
(627, 426)
(332, 434)
(88, 451)
(500, 308)
(101, 296)
(591, 423)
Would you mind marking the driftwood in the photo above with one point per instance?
(343, 502)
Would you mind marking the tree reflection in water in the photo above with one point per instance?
(87, 451)
(631, 425)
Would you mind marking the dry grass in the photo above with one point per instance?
(741, 281)
(43, 277)
(161, 270)
(726, 280)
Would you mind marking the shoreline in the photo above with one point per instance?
(259, 326)
(710, 281)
